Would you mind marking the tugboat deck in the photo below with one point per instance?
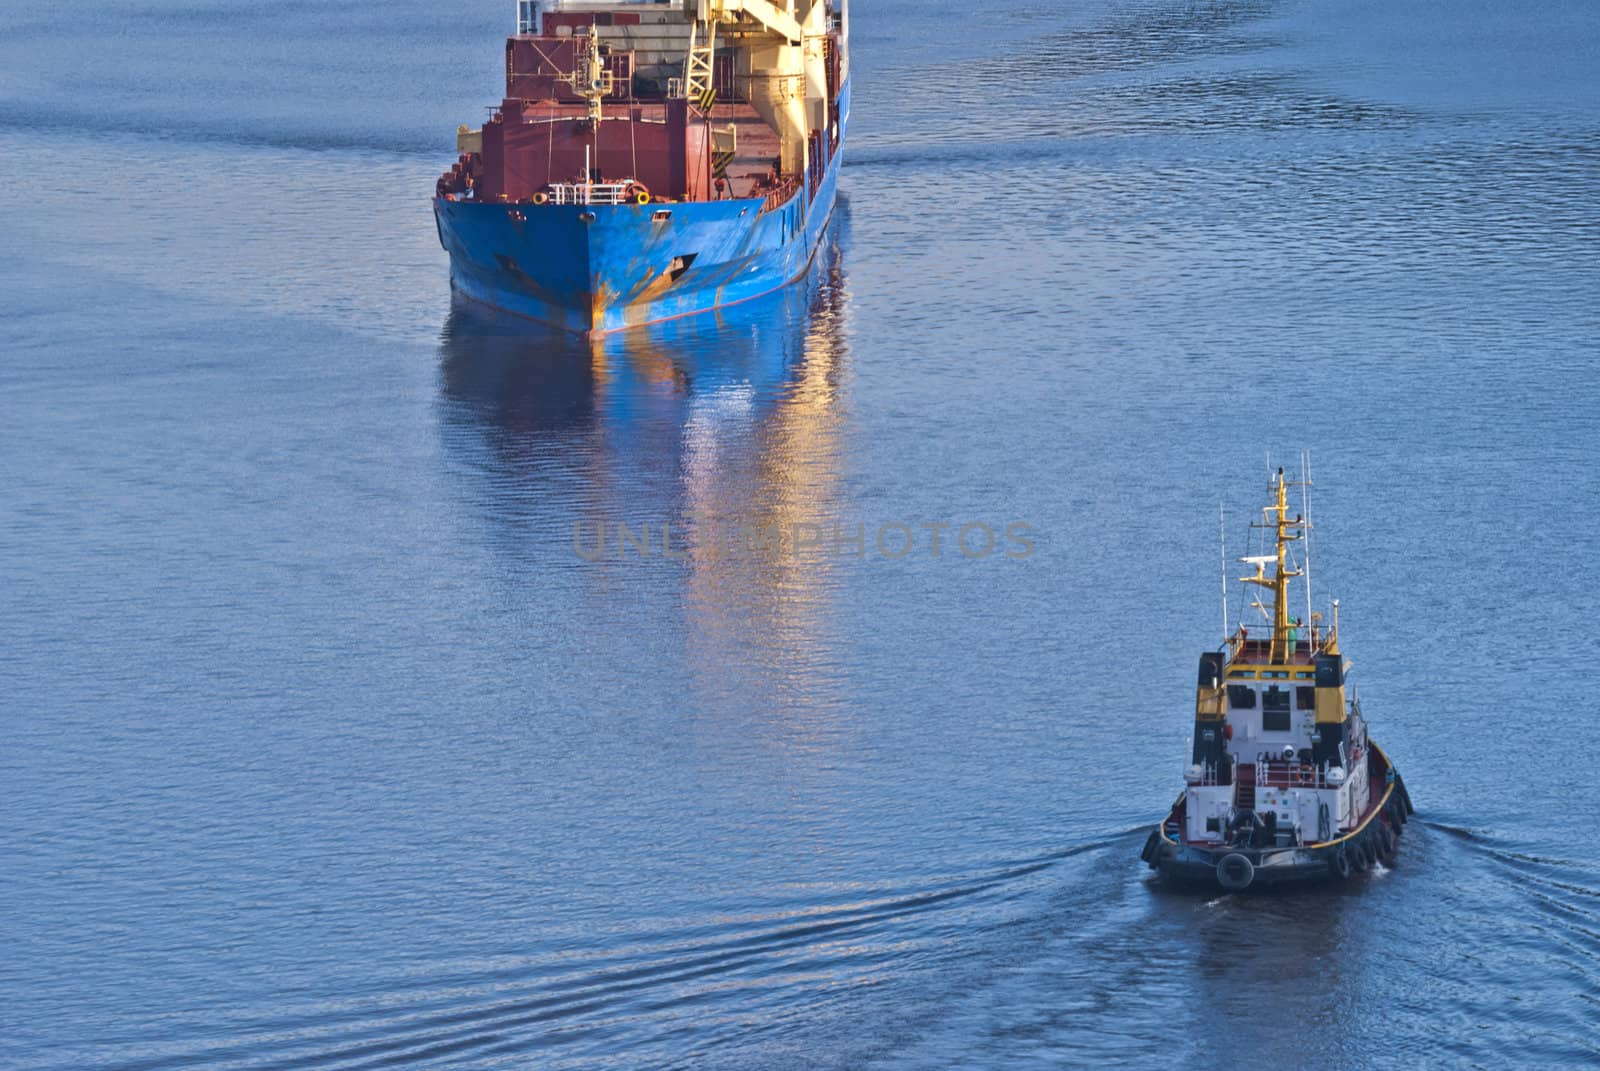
(1257, 654)
(1378, 765)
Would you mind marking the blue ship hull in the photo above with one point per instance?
(593, 269)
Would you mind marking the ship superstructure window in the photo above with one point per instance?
(1275, 710)
(1241, 697)
(1305, 698)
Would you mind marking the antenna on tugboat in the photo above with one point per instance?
(1305, 529)
(1222, 533)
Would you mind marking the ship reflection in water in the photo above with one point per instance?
(709, 440)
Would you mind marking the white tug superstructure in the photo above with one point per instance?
(1283, 782)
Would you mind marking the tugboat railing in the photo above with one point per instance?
(1276, 773)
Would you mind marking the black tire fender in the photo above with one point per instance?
(1152, 848)
(1235, 872)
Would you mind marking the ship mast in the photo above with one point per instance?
(1286, 532)
(593, 82)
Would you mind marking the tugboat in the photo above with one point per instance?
(1284, 784)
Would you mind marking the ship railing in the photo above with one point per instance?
(1308, 641)
(781, 194)
(1277, 773)
(589, 193)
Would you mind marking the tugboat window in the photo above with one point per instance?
(1275, 710)
(1305, 698)
(1241, 697)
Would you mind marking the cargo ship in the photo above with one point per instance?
(650, 160)
(1285, 785)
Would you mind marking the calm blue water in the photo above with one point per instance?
(324, 748)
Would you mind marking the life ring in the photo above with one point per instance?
(1340, 863)
(642, 197)
(1235, 872)
(541, 198)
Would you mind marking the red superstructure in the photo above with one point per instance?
(637, 123)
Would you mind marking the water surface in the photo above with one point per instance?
(325, 748)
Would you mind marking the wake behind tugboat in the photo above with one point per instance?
(1285, 785)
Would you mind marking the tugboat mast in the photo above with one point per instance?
(1287, 531)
